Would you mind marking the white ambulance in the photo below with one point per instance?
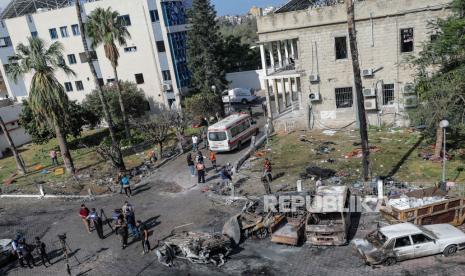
(231, 132)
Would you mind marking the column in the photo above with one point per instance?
(276, 95)
(291, 95)
(292, 49)
(283, 84)
(268, 100)
(299, 91)
(286, 52)
(262, 56)
(280, 58)
(271, 55)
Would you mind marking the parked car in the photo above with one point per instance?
(239, 95)
(6, 251)
(404, 241)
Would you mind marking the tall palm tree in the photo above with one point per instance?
(108, 118)
(105, 27)
(47, 97)
(19, 162)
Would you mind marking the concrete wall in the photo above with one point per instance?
(10, 115)
(378, 24)
(246, 79)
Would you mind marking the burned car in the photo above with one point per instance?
(404, 241)
(6, 251)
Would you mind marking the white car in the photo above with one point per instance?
(6, 250)
(403, 241)
(239, 95)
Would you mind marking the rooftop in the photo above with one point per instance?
(401, 229)
(297, 5)
(18, 8)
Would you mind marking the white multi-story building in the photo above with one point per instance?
(154, 57)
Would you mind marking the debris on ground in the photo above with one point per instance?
(358, 153)
(198, 248)
(318, 172)
(329, 132)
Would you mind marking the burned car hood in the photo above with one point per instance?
(363, 246)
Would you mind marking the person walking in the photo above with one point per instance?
(41, 251)
(122, 231)
(131, 222)
(200, 172)
(225, 176)
(84, 213)
(97, 222)
(195, 141)
(199, 157)
(54, 157)
(145, 236)
(213, 159)
(190, 164)
(267, 177)
(119, 176)
(126, 185)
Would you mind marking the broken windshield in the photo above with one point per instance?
(377, 238)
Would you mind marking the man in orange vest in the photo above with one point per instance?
(213, 159)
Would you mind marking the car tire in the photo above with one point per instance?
(244, 101)
(390, 261)
(450, 250)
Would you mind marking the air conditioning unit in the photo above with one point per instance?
(409, 88)
(367, 73)
(411, 101)
(369, 92)
(314, 78)
(167, 87)
(370, 104)
(314, 97)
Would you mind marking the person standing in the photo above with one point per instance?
(225, 175)
(190, 164)
(195, 141)
(25, 253)
(130, 217)
(84, 213)
(200, 172)
(145, 236)
(97, 222)
(213, 160)
(205, 138)
(126, 185)
(122, 231)
(41, 251)
(267, 177)
(54, 157)
(199, 157)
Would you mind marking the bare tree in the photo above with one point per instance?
(179, 122)
(358, 87)
(19, 161)
(155, 128)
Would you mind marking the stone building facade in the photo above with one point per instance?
(305, 52)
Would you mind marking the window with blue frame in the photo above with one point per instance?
(154, 16)
(75, 29)
(174, 13)
(53, 33)
(177, 42)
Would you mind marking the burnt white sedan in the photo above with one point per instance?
(403, 241)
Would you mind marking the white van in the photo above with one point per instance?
(231, 132)
(239, 95)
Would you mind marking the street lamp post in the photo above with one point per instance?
(444, 124)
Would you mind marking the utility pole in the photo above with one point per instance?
(358, 87)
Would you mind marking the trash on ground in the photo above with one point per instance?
(320, 172)
(329, 132)
(358, 153)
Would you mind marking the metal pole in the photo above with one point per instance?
(444, 158)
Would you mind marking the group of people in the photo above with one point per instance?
(197, 165)
(24, 251)
(124, 221)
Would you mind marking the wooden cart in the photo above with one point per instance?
(450, 210)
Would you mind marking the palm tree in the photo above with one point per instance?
(116, 149)
(19, 162)
(47, 98)
(105, 27)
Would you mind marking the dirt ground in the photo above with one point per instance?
(395, 154)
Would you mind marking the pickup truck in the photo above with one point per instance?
(404, 241)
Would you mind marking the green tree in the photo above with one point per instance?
(440, 83)
(133, 98)
(204, 49)
(239, 56)
(104, 26)
(203, 105)
(115, 148)
(47, 98)
(156, 128)
(246, 30)
(42, 133)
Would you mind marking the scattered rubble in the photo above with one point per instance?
(199, 248)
